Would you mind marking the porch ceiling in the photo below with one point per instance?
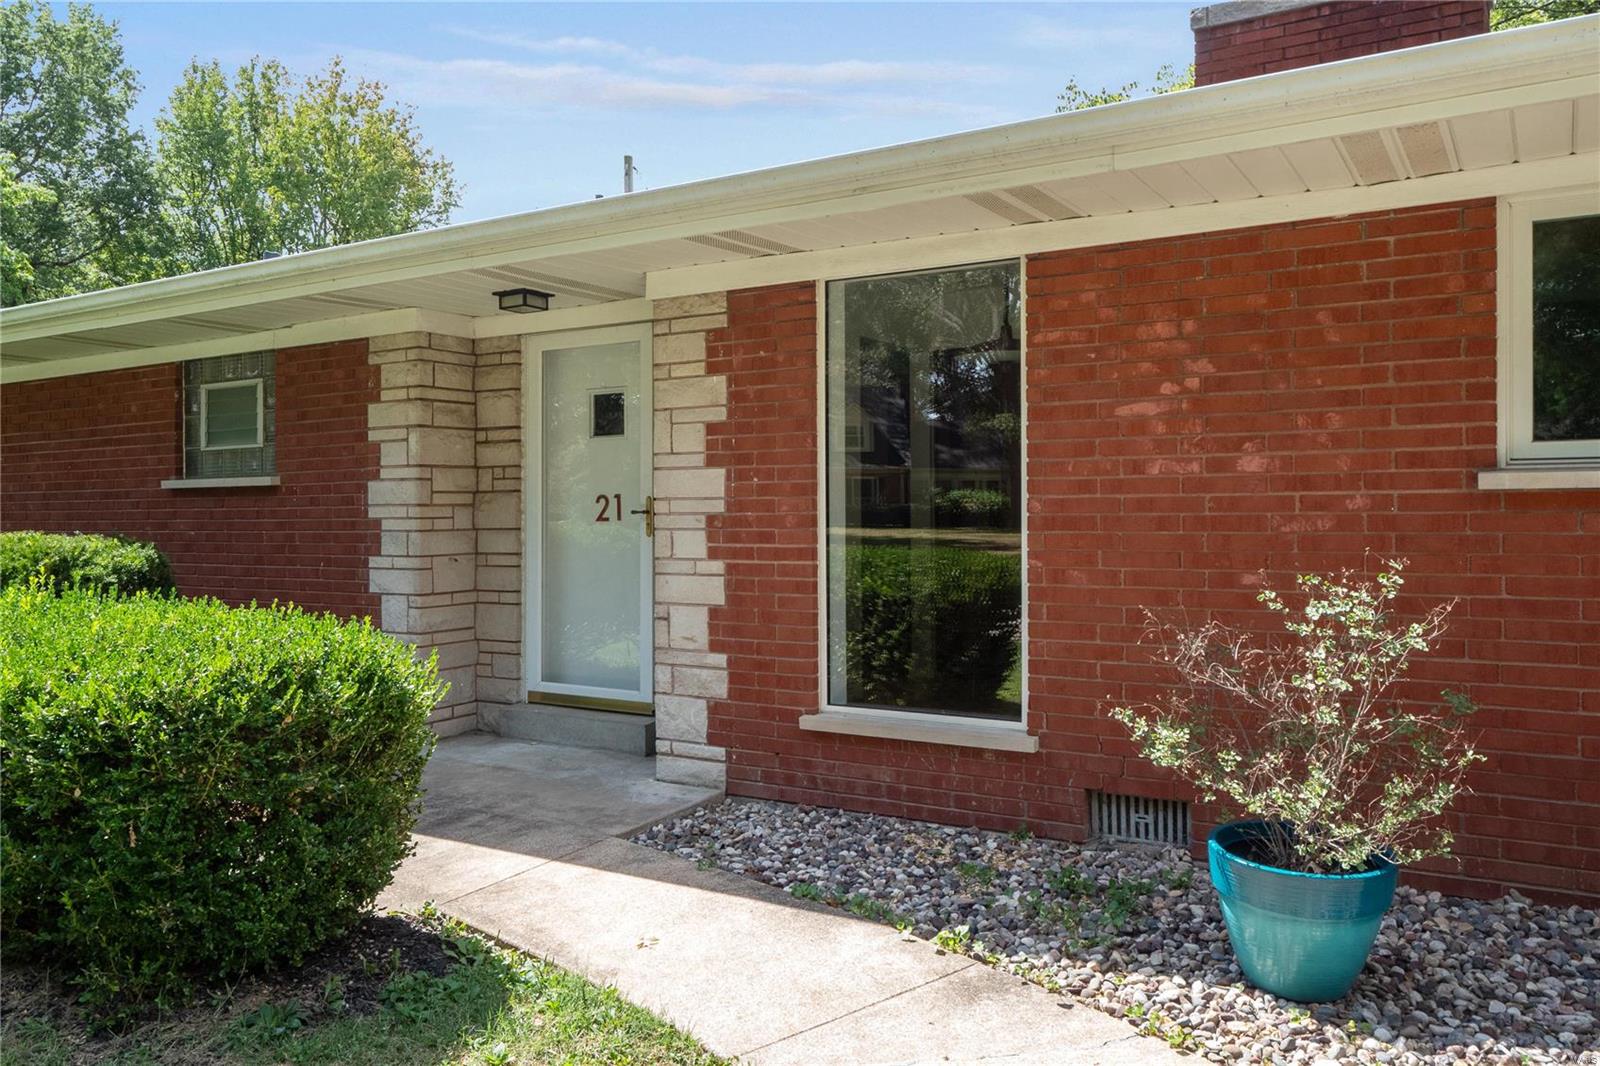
(1490, 104)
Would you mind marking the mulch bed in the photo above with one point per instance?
(359, 965)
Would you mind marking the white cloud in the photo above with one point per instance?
(824, 74)
(838, 72)
(642, 81)
(1049, 35)
(594, 46)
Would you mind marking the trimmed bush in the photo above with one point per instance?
(83, 560)
(930, 627)
(971, 507)
(193, 790)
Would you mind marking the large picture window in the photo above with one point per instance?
(924, 492)
(1551, 406)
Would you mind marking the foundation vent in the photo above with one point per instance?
(1137, 820)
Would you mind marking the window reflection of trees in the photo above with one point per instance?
(1566, 329)
(927, 537)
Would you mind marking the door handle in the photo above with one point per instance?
(649, 512)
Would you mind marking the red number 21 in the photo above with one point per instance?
(605, 503)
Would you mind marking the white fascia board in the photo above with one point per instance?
(1436, 80)
(322, 331)
(918, 253)
(349, 327)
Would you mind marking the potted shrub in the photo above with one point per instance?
(1342, 780)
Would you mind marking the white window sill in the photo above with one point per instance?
(1540, 477)
(965, 734)
(263, 481)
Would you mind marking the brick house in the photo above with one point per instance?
(846, 482)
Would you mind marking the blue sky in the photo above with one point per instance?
(536, 103)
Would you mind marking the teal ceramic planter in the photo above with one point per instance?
(1300, 936)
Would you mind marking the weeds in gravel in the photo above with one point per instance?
(1124, 898)
(977, 873)
(1112, 927)
(1078, 898)
(858, 903)
(1154, 1023)
(1179, 879)
(958, 940)
(867, 907)
(1068, 881)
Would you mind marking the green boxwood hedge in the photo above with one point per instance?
(193, 790)
(930, 627)
(971, 507)
(83, 560)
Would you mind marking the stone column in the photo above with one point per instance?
(687, 583)
(499, 526)
(426, 576)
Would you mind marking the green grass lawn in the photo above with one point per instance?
(468, 1002)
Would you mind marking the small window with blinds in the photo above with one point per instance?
(228, 407)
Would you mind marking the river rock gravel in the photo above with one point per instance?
(1135, 932)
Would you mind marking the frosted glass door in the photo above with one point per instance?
(594, 555)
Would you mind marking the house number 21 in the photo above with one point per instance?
(607, 514)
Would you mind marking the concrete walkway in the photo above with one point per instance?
(524, 842)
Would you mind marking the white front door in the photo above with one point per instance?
(589, 520)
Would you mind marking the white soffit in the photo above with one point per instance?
(1515, 106)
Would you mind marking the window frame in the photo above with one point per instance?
(907, 723)
(205, 411)
(1515, 219)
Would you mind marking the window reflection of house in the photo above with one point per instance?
(967, 454)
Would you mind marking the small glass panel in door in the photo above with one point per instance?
(594, 546)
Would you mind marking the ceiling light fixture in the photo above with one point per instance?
(523, 301)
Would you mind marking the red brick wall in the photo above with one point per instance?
(767, 539)
(1322, 33)
(1199, 409)
(89, 453)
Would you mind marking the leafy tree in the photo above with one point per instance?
(1167, 80)
(264, 165)
(79, 198)
(1509, 14)
(18, 200)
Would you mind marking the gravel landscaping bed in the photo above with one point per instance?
(1136, 932)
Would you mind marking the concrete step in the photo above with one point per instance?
(573, 727)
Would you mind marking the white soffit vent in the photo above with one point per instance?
(1138, 820)
(742, 243)
(1036, 199)
(755, 240)
(999, 205)
(1370, 157)
(1425, 149)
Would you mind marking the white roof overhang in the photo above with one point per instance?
(1481, 116)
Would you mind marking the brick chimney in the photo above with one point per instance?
(1243, 38)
